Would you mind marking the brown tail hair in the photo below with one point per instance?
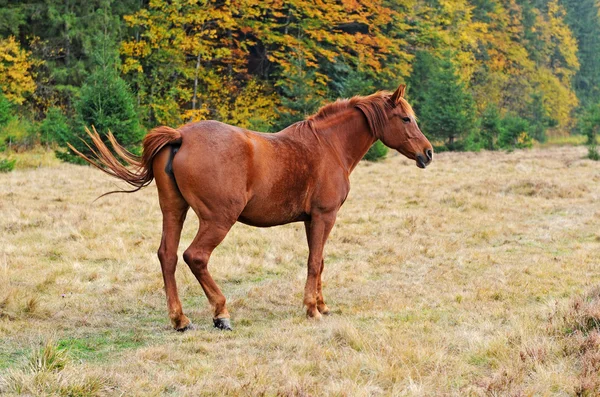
(140, 174)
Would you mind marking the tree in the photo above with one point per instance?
(107, 104)
(447, 111)
(16, 76)
(490, 127)
(348, 81)
(55, 128)
(583, 18)
(589, 124)
(5, 110)
(300, 98)
(513, 133)
(419, 82)
(59, 35)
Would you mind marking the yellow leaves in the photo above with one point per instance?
(16, 74)
(558, 99)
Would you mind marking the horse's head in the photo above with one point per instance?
(402, 132)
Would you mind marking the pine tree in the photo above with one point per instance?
(447, 110)
(55, 128)
(490, 127)
(300, 98)
(5, 110)
(348, 81)
(589, 124)
(424, 67)
(106, 103)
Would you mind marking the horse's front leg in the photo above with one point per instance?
(317, 231)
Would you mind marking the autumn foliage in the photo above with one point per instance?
(263, 64)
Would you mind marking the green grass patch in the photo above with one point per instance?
(98, 347)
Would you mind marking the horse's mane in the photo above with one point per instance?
(375, 107)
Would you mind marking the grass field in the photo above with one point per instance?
(477, 276)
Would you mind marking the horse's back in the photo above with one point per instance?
(261, 179)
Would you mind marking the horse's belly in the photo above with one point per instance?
(262, 222)
(268, 213)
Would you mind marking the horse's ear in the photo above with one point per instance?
(399, 93)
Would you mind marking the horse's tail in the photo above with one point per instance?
(135, 170)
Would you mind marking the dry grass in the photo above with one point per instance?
(473, 277)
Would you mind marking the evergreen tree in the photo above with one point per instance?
(514, 133)
(300, 98)
(55, 128)
(348, 81)
(490, 127)
(589, 124)
(447, 109)
(5, 110)
(106, 103)
(538, 118)
(583, 17)
(424, 67)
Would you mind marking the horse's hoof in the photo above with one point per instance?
(313, 315)
(324, 310)
(222, 323)
(188, 327)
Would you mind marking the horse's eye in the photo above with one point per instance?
(406, 119)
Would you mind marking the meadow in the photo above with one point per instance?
(478, 276)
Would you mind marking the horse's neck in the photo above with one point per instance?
(349, 136)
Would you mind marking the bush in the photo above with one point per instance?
(5, 110)
(7, 165)
(17, 134)
(376, 152)
(491, 126)
(55, 128)
(514, 133)
(593, 153)
(589, 124)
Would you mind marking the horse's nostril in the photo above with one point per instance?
(429, 154)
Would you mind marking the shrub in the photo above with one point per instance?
(514, 133)
(18, 133)
(593, 153)
(7, 165)
(491, 125)
(55, 128)
(376, 152)
(5, 110)
(589, 124)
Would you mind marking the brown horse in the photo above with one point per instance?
(229, 174)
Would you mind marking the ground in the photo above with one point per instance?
(476, 276)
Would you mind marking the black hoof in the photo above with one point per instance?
(188, 327)
(222, 323)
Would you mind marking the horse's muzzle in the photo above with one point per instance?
(424, 160)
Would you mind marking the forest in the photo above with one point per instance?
(481, 74)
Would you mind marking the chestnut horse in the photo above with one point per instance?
(228, 174)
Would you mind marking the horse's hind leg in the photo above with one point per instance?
(321, 306)
(174, 209)
(210, 234)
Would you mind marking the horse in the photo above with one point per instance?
(228, 174)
